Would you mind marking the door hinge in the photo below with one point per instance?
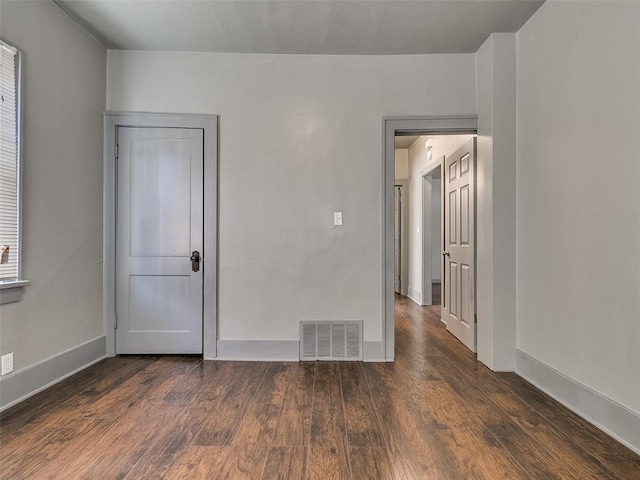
(115, 321)
(117, 151)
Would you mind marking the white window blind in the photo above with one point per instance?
(9, 171)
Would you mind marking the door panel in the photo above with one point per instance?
(453, 290)
(453, 225)
(458, 309)
(465, 294)
(159, 224)
(465, 216)
(158, 303)
(160, 170)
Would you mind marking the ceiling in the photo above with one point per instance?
(331, 27)
(405, 141)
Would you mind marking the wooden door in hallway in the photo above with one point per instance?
(458, 305)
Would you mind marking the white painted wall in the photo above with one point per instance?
(287, 161)
(578, 278)
(443, 145)
(64, 73)
(496, 202)
(402, 164)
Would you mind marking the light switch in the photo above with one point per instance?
(337, 218)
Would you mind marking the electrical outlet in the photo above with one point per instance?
(7, 363)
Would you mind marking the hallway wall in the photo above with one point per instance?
(578, 278)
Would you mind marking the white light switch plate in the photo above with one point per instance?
(337, 218)
(7, 363)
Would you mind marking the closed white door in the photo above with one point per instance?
(458, 303)
(159, 231)
(397, 202)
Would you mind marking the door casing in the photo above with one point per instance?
(441, 125)
(209, 124)
(397, 240)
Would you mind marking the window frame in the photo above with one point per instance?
(11, 288)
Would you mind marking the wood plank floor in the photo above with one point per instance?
(435, 413)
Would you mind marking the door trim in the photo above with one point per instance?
(404, 236)
(461, 124)
(209, 124)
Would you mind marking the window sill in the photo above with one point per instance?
(12, 290)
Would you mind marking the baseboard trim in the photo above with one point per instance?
(372, 352)
(24, 383)
(414, 295)
(609, 416)
(502, 368)
(281, 351)
(259, 350)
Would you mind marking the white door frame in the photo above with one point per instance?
(427, 220)
(463, 124)
(209, 124)
(404, 236)
(397, 236)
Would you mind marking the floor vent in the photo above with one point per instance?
(331, 340)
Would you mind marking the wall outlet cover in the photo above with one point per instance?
(7, 363)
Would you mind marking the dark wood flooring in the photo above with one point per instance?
(435, 413)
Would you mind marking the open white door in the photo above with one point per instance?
(458, 296)
(159, 235)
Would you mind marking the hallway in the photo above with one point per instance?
(433, 414)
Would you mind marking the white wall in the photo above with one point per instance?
(288, 159)
(496, 202)
(578, 279)
(64, 73)
(443, 145)
(402, 164)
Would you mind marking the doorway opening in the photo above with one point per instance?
(415, 152)
(434, 228)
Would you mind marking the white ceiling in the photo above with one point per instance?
(331, 27)
(405, 141)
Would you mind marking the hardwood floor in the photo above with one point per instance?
(435, 413)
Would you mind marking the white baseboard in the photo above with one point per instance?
(280, 351)
(259, 350)
(414, 295)
(609, 416)
(372, 352)
(24, 383)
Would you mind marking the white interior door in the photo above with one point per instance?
(159, 224)
(458, 296)
(397, 202)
